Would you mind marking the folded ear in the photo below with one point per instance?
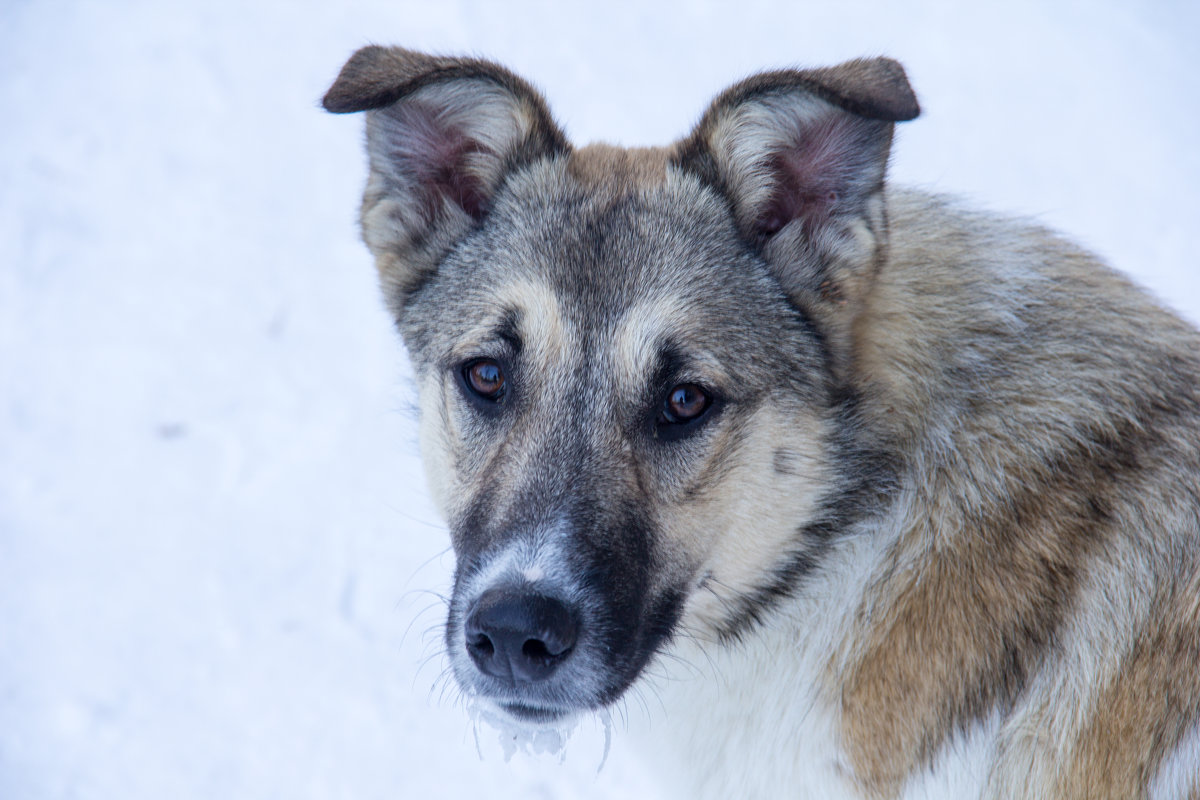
(442, 134)
(801, 156)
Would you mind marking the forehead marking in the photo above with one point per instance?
(640, 333)
(542, 327)
(650, 324)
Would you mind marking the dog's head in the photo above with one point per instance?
(633, 364)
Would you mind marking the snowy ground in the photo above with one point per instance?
(216, 553)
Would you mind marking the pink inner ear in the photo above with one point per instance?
(434, 154)
(813, 174)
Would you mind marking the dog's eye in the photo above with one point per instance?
(684, 403)
(485, 378)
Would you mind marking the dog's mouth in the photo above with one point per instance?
(535, 714)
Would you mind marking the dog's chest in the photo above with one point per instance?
(750, 721)
(734, 724)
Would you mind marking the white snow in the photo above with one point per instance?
(219, 569)
(529, 738)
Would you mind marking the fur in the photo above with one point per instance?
(883, 496)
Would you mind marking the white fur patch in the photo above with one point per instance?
(1179, 773)
(757, 718)
(960, 770)
(753, 514)
(534, 557)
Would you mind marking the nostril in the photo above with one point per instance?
(537, 650)
(482, 645)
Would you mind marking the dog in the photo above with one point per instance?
(884, 497)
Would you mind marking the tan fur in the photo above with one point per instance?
(941, 635)
(638, 332)
(606, 168)
(747, 497)
(1141, 713)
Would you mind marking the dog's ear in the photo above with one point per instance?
(442, 133)
(801, 156)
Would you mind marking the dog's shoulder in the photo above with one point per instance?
(1048, 558)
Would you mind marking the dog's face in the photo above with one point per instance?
(630, 412)
(602, 422)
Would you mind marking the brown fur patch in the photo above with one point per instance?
(1145, 711)
(956, 635)
(975, 594)
(605, 166)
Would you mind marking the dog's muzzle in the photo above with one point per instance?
(548, 624)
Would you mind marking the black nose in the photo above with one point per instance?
(518, 635)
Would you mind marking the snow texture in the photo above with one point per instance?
(219, 569)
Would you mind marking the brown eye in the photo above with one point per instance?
(685, 402)
(485, 378)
